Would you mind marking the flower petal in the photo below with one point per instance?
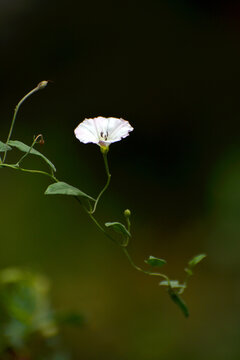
(86, 132)
(118, 129)
(102, 131)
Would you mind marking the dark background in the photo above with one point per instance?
(171, 68)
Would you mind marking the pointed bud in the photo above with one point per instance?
(42, 84)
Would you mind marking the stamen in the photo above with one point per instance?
(104, 136)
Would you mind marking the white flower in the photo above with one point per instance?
(102, 131)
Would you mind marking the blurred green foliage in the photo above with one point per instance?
(29, 326)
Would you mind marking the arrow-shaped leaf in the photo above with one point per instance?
(62, 188)
(119, 228)
(195, 260)
(174, 284)
(153, 261)
(4, 147)
(25, 148)
(179, 302)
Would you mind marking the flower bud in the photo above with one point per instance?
(42, 84)
(39, 139)
(127, 213)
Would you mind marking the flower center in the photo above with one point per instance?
(104, 136)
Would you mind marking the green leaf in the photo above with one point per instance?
(62, 188)
(179, 302)
(119, 228)
(25, 148)
(188, 271)
(174, 284)
(196, 259)
(4, 147)
(153, 261)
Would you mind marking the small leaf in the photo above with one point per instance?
(153, 261)
(25, 148)
(178, 301)
(62, 188)
(188, 271)
(196, 259)
(4, 147)
(174, 284)
(119, 228)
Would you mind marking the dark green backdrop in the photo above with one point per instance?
(172, 69)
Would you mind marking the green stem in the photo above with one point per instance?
(125, 250)
(107, 183)
(100, 227)
(140, 269)
(90, 214)
(38, 87)
(128, 224)
(16, 167)
(185, 283)
(129, 229)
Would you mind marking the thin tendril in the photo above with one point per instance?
(30, 149)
